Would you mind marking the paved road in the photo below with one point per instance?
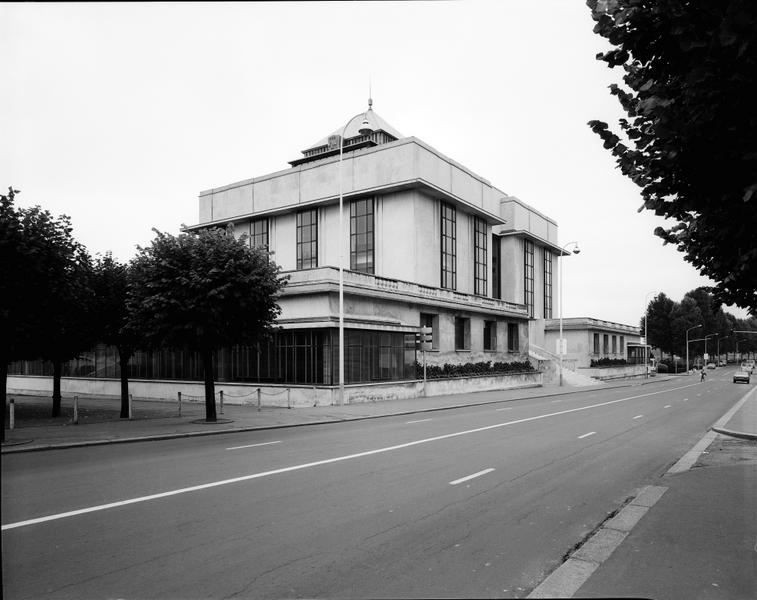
(480, 502)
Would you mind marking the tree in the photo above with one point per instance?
(41, 289)
(684, 316)
(658, 320)
(110, 286)
(203, 292)
(691, 82)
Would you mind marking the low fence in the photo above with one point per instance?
(616, 372)
(269, 395)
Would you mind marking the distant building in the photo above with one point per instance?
(593, 339)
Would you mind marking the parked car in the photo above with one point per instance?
(722, 363)
(711, 365)
(741, 375)
(748, 366)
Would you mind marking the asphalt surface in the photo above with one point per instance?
(481, 501)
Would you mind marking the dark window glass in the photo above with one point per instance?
(462, 333)
(490, 335)
(448, 248)
(614, 344)
(479, 256)
(361, 236)
(528, 276)
(605, 344)
(622, 345)
(307, 239)
(596, 343)
(547, 284)
(513, 343)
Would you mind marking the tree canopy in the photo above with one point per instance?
(690, 75)
(202, 292)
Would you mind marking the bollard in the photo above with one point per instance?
(221, 394)
(315, 397)
(258, 399)
(289, 397)
(76, 410)
(131, 414)
(179, 394)
(12, 414)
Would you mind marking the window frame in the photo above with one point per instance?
(448, 251)
(312, 225)
(528, 276)
(368, 235)
(480, 256)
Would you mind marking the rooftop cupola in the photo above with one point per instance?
(362, 131)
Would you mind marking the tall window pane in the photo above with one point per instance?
(479, 256)
(361, 236)
(307, 239)
(547, 284)
(259, 234)
(496, 286)
(528, 287)
(448, 247)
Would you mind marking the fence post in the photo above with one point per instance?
(13, 414)
(221, 395)
(179, 395)
(76, 410)
(289, 397)
(131, 413)
(315, 397)
(258, 399)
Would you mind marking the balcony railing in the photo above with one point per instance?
(354, 281)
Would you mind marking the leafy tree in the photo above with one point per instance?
(683, 316)
(109, 314)
(203, 292)
(660, 325)
(690, 71)
(42, 289)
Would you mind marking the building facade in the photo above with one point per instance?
(424, 242)
(590, 340)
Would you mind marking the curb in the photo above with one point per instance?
(736, 434)
(12, 449)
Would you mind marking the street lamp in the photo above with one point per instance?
(646, 335)
(365, 129)
(688, 369)
(705, 341)
(576, 250)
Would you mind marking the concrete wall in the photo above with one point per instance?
(273, 395)
(619, 372)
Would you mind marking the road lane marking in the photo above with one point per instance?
(318, 463)
(686, 399)
(507, 408)
(469, 477)
(585, 435)
(638, 416)
(418, 421)
(558, 400)
(666, 406)
(253, 445)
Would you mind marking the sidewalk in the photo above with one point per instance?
(99, 421)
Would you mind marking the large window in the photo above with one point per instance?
(547, 284)
(462, 333)
(259, 233)
(622, 345)
(512, 337)
(361, 236)
(307, 239)
(605, 344)
(528, 276)
(490, 335)
(596, 343)
(449, 251)
(614, 344)
(479, 256)
(496, 259)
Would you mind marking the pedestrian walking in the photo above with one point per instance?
(703, 376)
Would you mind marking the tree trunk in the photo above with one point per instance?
(210, 390)
(57, 370)
(3, 389)
(123, 360)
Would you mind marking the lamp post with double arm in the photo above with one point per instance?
(576, 250)
(688, 369)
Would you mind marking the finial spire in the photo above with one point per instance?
(370, 100)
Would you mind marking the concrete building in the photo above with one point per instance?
(425, 241)
(590, 339)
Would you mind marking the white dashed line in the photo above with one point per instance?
(666, 406)
(507, 408)
(585, 435)
(253, 445)
(638, 416)
(418, 421)
(469, 477)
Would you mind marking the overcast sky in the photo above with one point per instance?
(118, 115)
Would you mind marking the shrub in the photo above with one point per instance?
(662, 368)
(448, 370)
(608, 362)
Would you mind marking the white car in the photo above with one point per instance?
(748, 366)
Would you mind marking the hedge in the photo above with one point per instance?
(468, 369)
(608, 362)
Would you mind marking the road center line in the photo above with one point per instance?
(253, 445)
(327, 461)
(638, 416)
(469, 477)
(585, 435)
(506, 408)
(418, 421)
(666, 406)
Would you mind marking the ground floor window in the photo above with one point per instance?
(299, 356)
(512, 337)
(462, 333)
(490, 335)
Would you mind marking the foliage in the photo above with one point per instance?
(447, 370)
(43, 289)
(608, 362)
(690, 71)
(109, 283)
(658, 320)
(202, 292)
